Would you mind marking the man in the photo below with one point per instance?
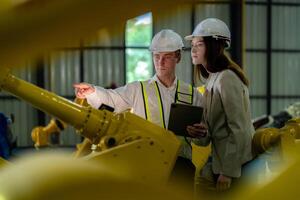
(150, 99)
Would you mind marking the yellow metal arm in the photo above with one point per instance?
(264, 139)
(93, 123)
(284, 138)
(40, 134)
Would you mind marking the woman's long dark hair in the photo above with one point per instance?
(200, 73)
(218, 61)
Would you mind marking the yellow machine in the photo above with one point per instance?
(279, 146)
(117, 139)
(40, 134)
(285, 138)
(128, 145)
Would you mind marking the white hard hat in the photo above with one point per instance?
(211, 27)
(166, 41)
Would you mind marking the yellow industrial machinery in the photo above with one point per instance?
(278, 146)
(40, 134)
(128, 145)
(117, 139)
(285, 138)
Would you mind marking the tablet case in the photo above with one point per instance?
(182, 115)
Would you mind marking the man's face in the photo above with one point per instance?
(165, 63)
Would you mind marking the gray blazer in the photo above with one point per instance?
(227, 115)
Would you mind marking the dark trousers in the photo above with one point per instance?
(182, 176)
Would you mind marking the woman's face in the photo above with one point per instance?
(198, 51)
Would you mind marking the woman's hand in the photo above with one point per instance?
(197, 130)
(223, 182)
(83, 89)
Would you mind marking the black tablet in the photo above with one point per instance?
(183, 115)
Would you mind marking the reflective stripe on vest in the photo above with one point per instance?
(155, 114)
(184, 93)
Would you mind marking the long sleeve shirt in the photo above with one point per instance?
(130, 96)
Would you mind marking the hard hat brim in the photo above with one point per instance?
(189, 37)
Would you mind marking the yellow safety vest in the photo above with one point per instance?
(183, 94)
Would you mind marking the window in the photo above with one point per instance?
(138, 37)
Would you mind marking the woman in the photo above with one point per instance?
(226, 118)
